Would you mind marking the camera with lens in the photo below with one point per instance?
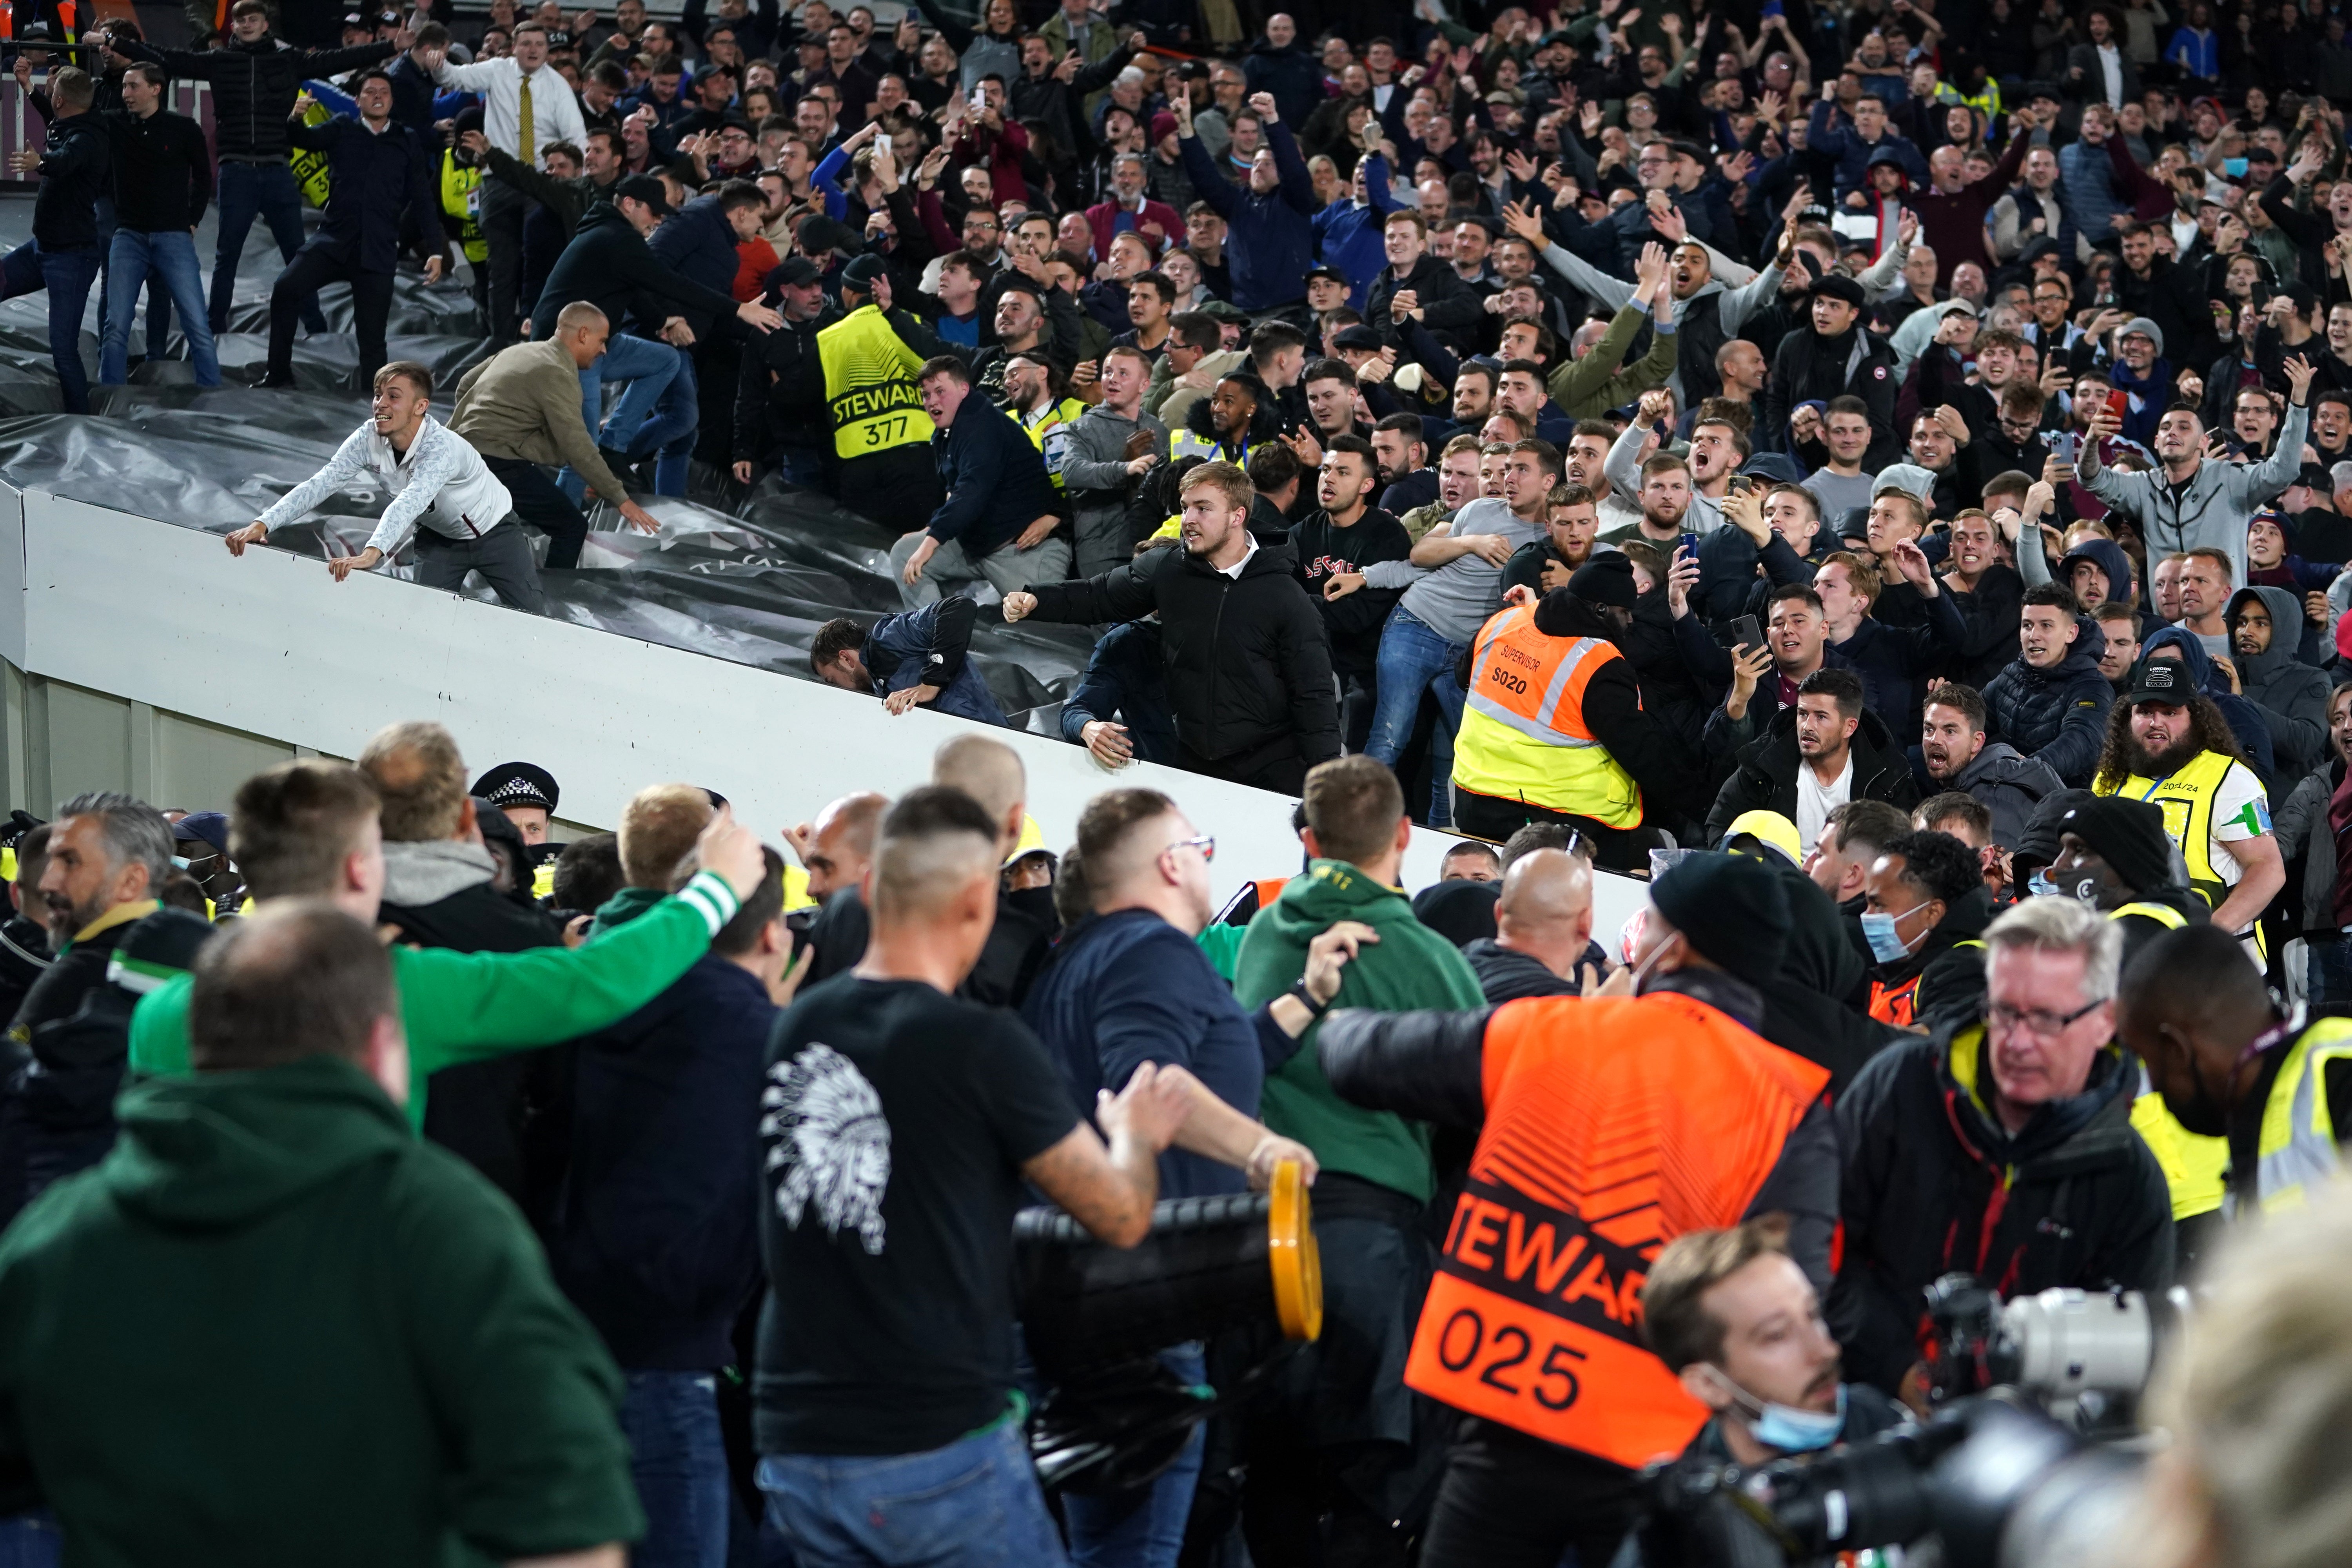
(2030, 1458)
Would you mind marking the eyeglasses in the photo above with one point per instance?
(1206, 844)
(2039, 1021)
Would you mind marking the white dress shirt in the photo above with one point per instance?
(554, 112)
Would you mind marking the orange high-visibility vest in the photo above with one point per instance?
(64, 12)
(1655, 1115)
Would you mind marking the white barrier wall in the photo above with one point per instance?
(271, 645)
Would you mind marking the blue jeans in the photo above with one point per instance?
(247, 191)
(659, 413)
(67, 275)
(1414, 660)
(159, 304)
(30, 1540)
(171, 256)
(1144, 1528)
(972, 1504)
(679, 1463)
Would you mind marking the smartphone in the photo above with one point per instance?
(2064, 444)
(2119, 403)
(1743, 632)
(1687, 542)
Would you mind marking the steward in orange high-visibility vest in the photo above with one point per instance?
(1608, 1127)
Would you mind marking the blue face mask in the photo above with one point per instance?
(2234, 167)
(1784, 1427)
(1886, 944)
(1795, 1431)
(2040, 886)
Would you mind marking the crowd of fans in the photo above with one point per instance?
(655, 1190)
(1874, 473)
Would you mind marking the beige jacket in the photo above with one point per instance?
(524, 402)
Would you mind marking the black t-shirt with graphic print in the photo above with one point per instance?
(894, 1122)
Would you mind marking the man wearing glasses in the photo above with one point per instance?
(2002, 1146)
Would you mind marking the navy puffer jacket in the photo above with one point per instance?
(2056, 716)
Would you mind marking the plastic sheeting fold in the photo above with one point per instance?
(747, 580)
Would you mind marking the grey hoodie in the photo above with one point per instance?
(2292, 694)
(2010, 784)
(415, 875)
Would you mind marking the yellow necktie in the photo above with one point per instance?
(527, 142)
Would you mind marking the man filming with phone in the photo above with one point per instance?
(2191, 502)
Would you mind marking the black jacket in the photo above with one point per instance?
(779, 391)
(372, 176)
(1804, 1005)
(1447, 304)
(1354, 622)
(1766, 778)
(1247, 660)
(162, 172)
(1018, 944)
(76, 168)
(1895, 662)
(63, 1058)
(1933, 1184)
(1507, 976)
(994, 478)
(608, 265)
(1430, 1065)
(1613, 710)
(1809, 366)
(652, 1239)
(2055, 716)
(1949, 963)
(254, 87)
(25, 957)
(502, 1115)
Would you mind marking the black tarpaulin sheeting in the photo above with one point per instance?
(746, 578)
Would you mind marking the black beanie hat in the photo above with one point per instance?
(1732, 909)
(1605, 580)
(1461, 912)
(2128, 835)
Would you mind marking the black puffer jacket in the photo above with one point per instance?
(1447, 304)
(1933, 1184)
(1766, 778)
(2056, 716)
(254, 87)
(1248, 660)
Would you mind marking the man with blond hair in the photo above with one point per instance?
(1248, 660)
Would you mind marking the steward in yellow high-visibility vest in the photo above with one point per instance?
(1226, 425)
(461, 205)
(873, 361)
(1552, 727)
(2114, 854)
(1047, 426)
(2168, 745)
(2202, 1021)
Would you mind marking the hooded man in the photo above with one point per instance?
(2291, 695)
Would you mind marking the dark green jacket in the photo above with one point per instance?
(272, 1327)
(1410, 967)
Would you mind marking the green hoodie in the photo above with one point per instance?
(464, 1006)
(272, 1327)
(1410, 967)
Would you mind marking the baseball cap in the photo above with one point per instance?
(2162, 681)
(645, 188)
(797, 271)
(1322, 271)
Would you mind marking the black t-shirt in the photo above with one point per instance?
(894, 1124)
